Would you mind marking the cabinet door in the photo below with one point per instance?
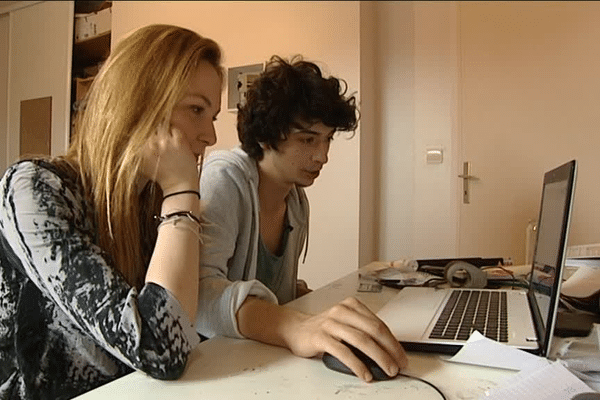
(40, 50)
(3, 91)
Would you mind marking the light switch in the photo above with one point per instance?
(435, 156)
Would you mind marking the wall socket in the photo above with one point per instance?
(238, 81)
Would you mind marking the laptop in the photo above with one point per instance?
(427, 319)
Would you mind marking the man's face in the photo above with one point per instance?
(299, 159)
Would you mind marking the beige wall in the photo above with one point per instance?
(530, 98)
(250, 32)
(416, 102)
(404, 58)
(396, 91)
(528, 73)
(369, 144)
(377, 197)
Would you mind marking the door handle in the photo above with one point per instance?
(466, 177)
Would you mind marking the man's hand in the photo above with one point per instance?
(312, 335)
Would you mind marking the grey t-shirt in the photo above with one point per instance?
(269, 267)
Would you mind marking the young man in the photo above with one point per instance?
(256, 217)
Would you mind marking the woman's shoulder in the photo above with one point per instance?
(41, 167)
(39, 175)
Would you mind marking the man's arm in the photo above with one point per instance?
(312, 335)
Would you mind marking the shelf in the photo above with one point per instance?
(92, 50)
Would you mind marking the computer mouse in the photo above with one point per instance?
(335, 364)
(587, 396)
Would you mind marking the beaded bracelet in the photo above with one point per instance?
(183, 192)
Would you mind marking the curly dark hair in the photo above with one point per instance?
(286, 94)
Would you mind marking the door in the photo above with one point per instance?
(528, 102)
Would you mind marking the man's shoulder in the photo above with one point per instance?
(235, 161)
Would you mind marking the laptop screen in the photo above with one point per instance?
(548, 259)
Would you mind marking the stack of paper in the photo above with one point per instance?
(539, 378)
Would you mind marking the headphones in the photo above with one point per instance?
(463, 274)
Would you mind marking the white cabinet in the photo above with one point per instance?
(39, 51)
(3, 90)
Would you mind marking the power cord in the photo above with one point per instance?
(425, 382)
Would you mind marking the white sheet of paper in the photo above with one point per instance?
(551, 382)
(480, 350)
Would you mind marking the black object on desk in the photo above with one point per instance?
(574, 324)
(587, 396)
(438, 264)
(335, 364)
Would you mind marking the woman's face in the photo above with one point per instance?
(195, 114)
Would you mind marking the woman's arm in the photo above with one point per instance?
(176, 256)
(174, 264)
(47, 227)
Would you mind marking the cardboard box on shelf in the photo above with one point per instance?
(92, 24)
(82, 85)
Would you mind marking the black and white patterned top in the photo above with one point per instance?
(69, 322)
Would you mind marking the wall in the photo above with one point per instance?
(366, 196)
(250, 32)
(530, 95)
(370, 140)
(536, 92)
(436, 83)
(395, 59)
(377, 196)
(417, 81)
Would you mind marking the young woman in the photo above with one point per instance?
(99, 249)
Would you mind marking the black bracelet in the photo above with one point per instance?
(187, 214)
(183, 192)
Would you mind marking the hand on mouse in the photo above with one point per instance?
(352, 322)
(305, 335)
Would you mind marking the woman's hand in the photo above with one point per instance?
(312, 335)
(169, 161)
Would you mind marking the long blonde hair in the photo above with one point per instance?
(134, 92)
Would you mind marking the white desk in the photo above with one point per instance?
(224, 368)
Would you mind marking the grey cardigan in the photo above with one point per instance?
(230, 212)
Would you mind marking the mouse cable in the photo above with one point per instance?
(425, 382)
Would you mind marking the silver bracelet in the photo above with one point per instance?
(196, 229)
(187, 214)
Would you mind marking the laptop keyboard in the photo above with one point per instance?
(473, 310)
